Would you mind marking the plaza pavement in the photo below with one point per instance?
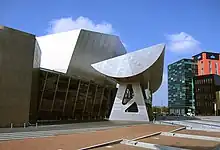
(172, 134)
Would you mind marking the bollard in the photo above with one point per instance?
(24, 125)
(11, 125)
(36, 124)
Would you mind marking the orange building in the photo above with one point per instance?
(208, 63)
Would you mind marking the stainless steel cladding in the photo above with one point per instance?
(76, 50)
(145, 65)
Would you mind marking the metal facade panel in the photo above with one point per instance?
(146, 64)
(73, 52)
(90, 48)
(130, 64)
(119, 112)
(57, 50)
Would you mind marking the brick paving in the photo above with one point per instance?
(181, 142)
(79, 140)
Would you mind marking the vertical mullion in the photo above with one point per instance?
(76, 98)
(54, 96)
(93, 103)
(101, 100)
(42, 94)
(67, 91)
(87, 92)
(108, 102)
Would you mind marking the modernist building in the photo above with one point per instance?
(135, 72)
(180, 86)
(208, 63)
(206, 94)
(52, 78)
(29, 93)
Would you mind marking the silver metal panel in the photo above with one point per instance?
(93, 47)
(144, 65)
(118, 109)
(74, 51)
(57, 49)
(37, 56)
(130, 64)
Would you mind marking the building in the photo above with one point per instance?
(139, 75)
(29, 93)
(20, 58)
(206, 94)
(52, 78)
(180, 86)
(208, 63)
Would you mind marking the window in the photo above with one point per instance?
(202, 70)
(210, 67)
(208, 80)
(216, 68)
(213, 57)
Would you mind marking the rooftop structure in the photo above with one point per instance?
(208, 63)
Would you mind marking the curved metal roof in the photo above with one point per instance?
(145, 64)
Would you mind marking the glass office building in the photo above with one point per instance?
(180, 86)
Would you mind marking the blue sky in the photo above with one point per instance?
(187, 26)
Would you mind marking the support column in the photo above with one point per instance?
(129, 103)
(148, 100)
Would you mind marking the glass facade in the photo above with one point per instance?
(65, 97)
(180, 86)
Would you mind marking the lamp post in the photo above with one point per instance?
(215, 108)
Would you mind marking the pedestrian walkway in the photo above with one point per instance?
(193, 125)
(48, 131)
